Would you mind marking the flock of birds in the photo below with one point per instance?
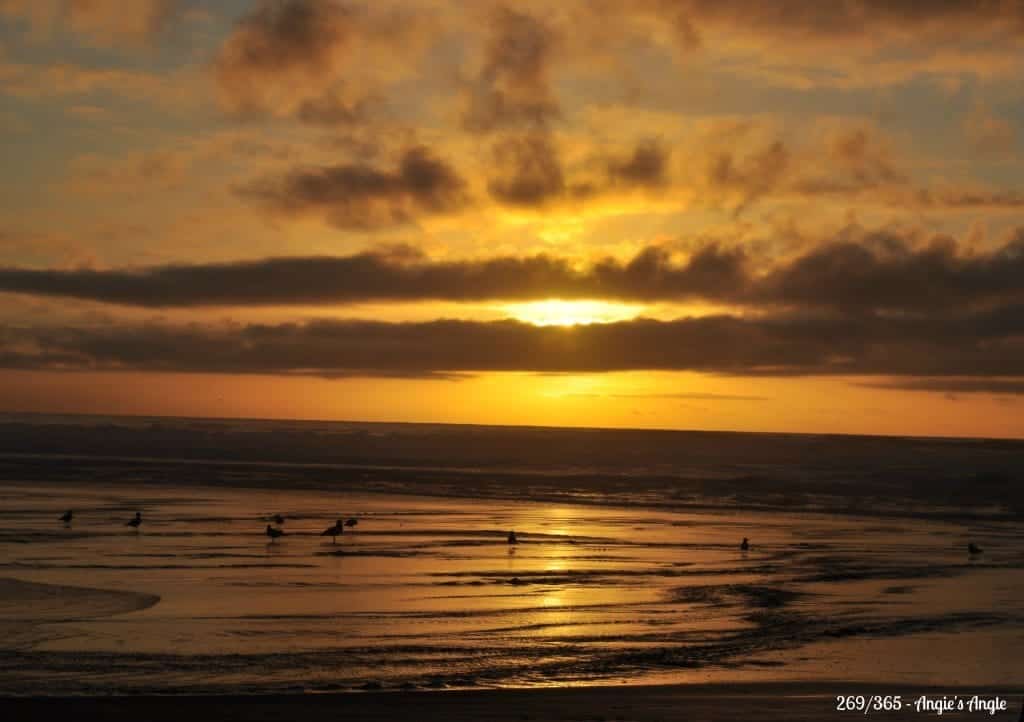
(333, 531)
(338, 528)
(136, 522)
(272, 532)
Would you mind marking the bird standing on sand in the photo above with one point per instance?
(273, 533)
(66, 516)
(973, 549)
(136, 522)
(334, 531)
(512, 538)
(745, 544)
(351, 522)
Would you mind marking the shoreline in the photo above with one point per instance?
(710, 701)
(416, 481)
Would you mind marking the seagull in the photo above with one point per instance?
(351, 522)
(136, 521)
(973, 549)
(744, 545)
(277, 519)
(334, 531)
(66, 516)
(273, 533)
(512, 538)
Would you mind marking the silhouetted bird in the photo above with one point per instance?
(66, 516)
(273, 533)
(512, 538)
(974, 549)
(136, 521)
(351, 522)
(745, 544)
(334, 531)
(277, 519)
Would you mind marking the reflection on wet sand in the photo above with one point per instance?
(430, 593)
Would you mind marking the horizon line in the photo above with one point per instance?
(570, 427)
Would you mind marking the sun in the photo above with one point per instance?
(556, 312)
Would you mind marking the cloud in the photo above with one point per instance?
(364, 196)
(98, 22)
(322, 61)
(528, 171)
(748, 163)
(170, 91)
(138, 172)
(688, 396)
(975, 345)
(886, 271)
(652, 274)
(281, 52)
(512, 87)
(996, 386)
(109, 21)
(989, 133)
(803, 44)
(750, 178)
(952, 197)
(856, 273)
(853, 164)
(646, 166)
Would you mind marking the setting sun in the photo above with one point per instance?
(556, 312)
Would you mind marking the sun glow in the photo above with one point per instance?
(555, 312)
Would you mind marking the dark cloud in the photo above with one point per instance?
(749, 177)
(528, 171)
(280, 47)
(647, 166)
(513, 86)
(365, 196)
(974, 346)
(855, 164)
(331, 108)
(883, 271)
(389, 276)
(879, 272)
(319, 61)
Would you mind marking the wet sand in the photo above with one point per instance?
(426, 594)
(858, 580)
(763, 702)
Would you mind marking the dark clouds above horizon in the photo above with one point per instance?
(985, 344)
(879, 272)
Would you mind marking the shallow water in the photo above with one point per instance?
(426, 592)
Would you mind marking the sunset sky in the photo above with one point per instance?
(715, 214)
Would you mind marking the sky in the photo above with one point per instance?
(790, 216)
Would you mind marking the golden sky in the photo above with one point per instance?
(786, 216)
